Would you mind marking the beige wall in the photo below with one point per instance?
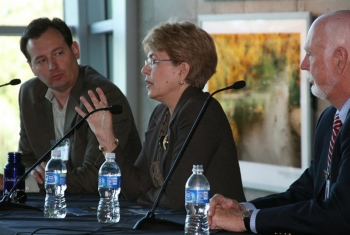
(152, 12)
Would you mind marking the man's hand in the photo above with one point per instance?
(39, 173)
(225, 213)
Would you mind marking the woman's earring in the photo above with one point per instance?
(181, 82)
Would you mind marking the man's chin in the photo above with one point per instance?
(318, 93)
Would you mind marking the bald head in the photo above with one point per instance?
(333, 28)
(327, 61)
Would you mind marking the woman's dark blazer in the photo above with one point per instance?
(212, 146)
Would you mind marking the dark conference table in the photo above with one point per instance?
(81, 218)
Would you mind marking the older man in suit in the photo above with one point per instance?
(319, 201)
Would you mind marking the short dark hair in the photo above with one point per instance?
(39, 26)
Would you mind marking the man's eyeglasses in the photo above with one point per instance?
(150, 62)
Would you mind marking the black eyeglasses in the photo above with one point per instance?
(150, 62)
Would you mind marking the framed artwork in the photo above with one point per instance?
(270, 117)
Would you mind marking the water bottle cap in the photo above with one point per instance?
(19, 152)
(14, 154)
(197, 167)
(110, 155)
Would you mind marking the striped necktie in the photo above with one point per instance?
(336, 126)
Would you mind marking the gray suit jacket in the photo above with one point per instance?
(37, 129)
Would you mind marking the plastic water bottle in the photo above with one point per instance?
(55, 186)
(197, 197)
(109, 177)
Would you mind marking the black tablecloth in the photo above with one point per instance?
(81, 218)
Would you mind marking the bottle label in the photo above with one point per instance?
(13, 171)
(52, 178)
(108, 181)
(9, 182)
(197, 196)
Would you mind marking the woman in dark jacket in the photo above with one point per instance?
(181, 58)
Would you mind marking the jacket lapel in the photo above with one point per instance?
(74, 100)
(324, 131)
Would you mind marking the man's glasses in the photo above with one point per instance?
(150, 62)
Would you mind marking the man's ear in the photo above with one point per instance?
(75, 49)
(341, 58)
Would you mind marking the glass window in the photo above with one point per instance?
(13, 64)
(109, 9)
(16, 13)
(110, 56)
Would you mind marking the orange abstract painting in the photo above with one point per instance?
(270, 103)
(270, 116)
